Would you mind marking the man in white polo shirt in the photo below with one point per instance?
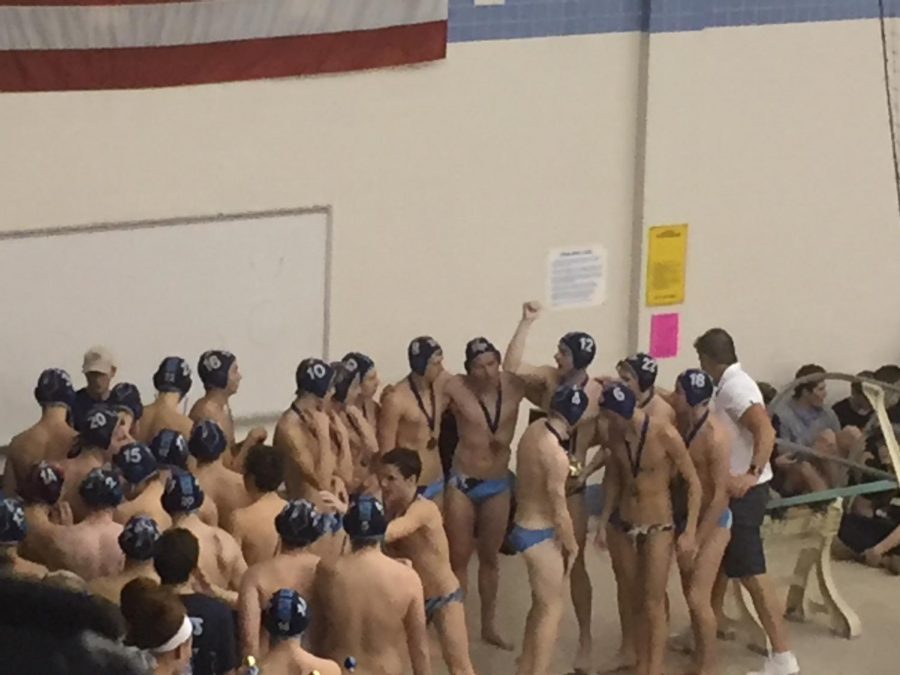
(739, 404)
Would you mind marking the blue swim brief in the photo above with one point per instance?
(479, 490)
(522, 538)
(432, 605)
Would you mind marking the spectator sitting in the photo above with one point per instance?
(855, 411)
(870, 528)
(805, 420)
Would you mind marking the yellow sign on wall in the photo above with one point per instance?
(666, 265)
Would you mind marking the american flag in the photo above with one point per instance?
(48, 45)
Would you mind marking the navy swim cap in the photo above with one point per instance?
(365, 519)
(287, 614)
(570, 403)
(314, 377)
(138, 539)
(54, 387)
(619, 399)
(420, 352)
(136, 463)
(213, 368)
(358, 363)
(173, 375)
(101, 489)
(170, 448)
(696, 385)
(125, 396)
(44, 483)
(582, 346)
(476, 348)
(208, 441)
(644, 368)
(342, 381)
(12, 521)
(298, 523)
(99, 426)
(183, 493)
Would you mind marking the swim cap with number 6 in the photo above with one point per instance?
(570, 403)
(619, 399)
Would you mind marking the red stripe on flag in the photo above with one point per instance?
(144, 67)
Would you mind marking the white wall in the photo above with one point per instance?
(773, 143)
(448, 182)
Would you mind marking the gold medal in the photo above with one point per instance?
(575, 468)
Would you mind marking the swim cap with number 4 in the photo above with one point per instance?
(582, 346)
(696, 385)
(569, 403)
(314, 377)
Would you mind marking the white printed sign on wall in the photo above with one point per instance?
(576, 277)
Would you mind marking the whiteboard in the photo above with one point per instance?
(254, 284)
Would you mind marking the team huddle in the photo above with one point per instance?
(342, 541)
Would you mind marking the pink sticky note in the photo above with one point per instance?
(664, 336)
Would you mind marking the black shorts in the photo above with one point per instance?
(745, 556)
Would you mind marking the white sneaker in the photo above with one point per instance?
(779, 664)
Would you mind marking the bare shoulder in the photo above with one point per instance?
(427, 510)
(513, 383)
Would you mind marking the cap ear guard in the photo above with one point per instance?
(420, 352)
(645, 369)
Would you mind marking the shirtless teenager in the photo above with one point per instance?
(137, 541)
(12, 531)
(359, 416)
(299, 527)
(411, 412)
(50, 438)
(543, 531)
(221, 562)
(416, 532)
(313, 462)
(485, 404)
(90, 548)
(173, 382)
(171, 451)
(40, 491)
(638, 507)
(372, 608)
(286, 616)
(707, 444)
(219, 373)
(639, 372)
(125, 399)
(143, 485)
(253, 526)
(221, 485)
(575, 352)
(94, 448)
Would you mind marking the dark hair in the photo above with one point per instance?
(54, 631)
(408, 462)
(360, 544)
(889, 374)
(718, 346)
(768, 392)
(177, 553)
(803, 371)
(265, 465)
(856, 387)
(154, 614)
